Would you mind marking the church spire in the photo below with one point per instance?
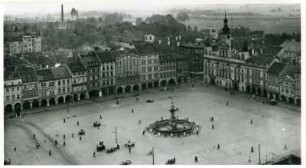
(225, 28)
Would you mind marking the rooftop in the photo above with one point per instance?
(276, 68)
(76, 66)
(60, 72)
(90, 60)
(290, 69)
(27, 74)
(10, 73)
(44, 74)
(268, 54)
(107, 56)
(291, 45)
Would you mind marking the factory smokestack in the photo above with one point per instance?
(62, 14)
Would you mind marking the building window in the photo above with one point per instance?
(7, 89)
(64, 82)
(18, 97)
(59, 83)
(68, 81)
(7, 98)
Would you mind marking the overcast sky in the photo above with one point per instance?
(47, 6)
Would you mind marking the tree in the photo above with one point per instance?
(139, 20)
(182, 16)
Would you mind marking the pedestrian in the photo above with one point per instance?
(285, 147)
(94, 154)
(49, 152)
(139, 122)
(196, 159)
(132, 110)
(37, 145)
(212, 119)
(64, 120)
(15, 149)
(129, 149)
(118, 147)
(213, 127)
(227, 103)
(72, 135)
(218, 146)
(55, 142)
(33, 136)
(197, 132)
(249, 159)
(80, 138)
(64, 144)
(137, 98)
(143, 132)
(100, 117)
(78, 123)
(251, 121)
(64, 136)
(252, 149)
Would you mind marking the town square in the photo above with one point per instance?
(174, 84)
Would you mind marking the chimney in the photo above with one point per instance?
(62, 14)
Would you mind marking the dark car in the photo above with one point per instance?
(81, 132)
(96, 124)
(149, 101)
(126, 162)
(170, 161)
(273, 102)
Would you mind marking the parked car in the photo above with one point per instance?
(170, 161)
(273, 102)
(149, 101)
(81, 132)
(126, 162)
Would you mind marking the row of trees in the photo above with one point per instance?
(91, 32)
